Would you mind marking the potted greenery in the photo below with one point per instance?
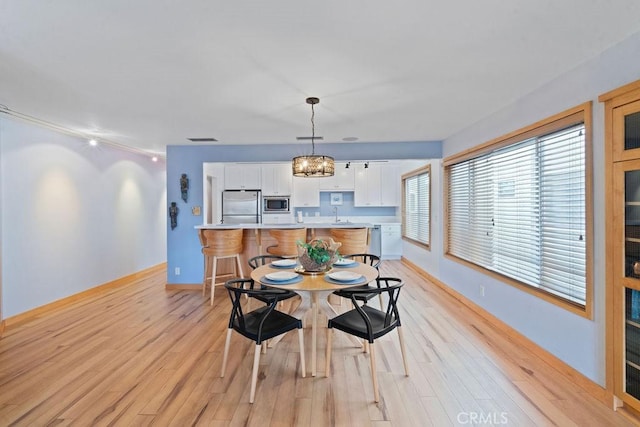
(317, 255)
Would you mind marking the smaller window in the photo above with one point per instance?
(416, 206)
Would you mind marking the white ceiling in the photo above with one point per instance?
(151, 73)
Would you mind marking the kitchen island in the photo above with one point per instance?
(256, 237)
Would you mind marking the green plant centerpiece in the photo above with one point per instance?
(318, 255)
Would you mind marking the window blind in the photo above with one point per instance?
(417, 198)
(520, 211)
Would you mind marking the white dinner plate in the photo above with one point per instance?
(285, 263)
(344, 276)
(281, 276)
(344, 261)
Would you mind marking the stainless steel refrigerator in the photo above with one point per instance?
(241, 207)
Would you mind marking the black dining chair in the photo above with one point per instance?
(260, 260)
(369, 323)
(258, 325)
(372, 260)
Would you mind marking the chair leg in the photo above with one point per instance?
(246, 297)
(204, 280)
(239, 265)
(254, 373)
(226, 352)
(402, 350)
(214, 271)
(327, 359)
(374, 376)
(301, 344)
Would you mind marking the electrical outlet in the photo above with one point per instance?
(481, 290)
(177, 271)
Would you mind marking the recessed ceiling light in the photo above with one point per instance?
(202, 139)
(93, 142)
(154, 159)
(350, 138)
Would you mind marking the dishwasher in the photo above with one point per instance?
(375, 241)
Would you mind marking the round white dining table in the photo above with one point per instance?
(314, 290)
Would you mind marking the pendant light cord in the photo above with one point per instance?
(313, 131)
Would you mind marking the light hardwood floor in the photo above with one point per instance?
(143, 355)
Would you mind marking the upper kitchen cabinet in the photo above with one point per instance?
(376, 185)
(342, 180)
(389, 185)
(306, 192)
(276, 179)
(243, 176)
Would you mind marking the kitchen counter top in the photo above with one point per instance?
(314, 225)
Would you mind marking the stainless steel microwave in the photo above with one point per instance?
(276, 204)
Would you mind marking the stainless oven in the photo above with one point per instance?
(276, 205)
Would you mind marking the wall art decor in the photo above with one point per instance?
(173, 214)
(184, 187)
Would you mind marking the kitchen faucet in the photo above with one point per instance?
(335, 211)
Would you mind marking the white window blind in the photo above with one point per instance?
(520, 211)
(417, 200)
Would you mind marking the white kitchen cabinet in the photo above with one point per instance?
(276, 179)
(376, 185)
(306, 192)
(342, 179)
(390, 184)
(242, 176)
(277, 218)
(367, 185)
(391, 241)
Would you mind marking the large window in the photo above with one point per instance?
(416, 202)
(517, 207)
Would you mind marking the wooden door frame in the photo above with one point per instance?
(2, 322)
(612, 100)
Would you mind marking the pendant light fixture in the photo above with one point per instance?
(313, 165)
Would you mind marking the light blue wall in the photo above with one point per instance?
(577, 341)
(183, 246)
(73, 216)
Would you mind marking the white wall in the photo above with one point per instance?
(429, 260)
(577, 341)
(73, 216)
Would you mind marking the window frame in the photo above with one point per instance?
(579, 114)
(414, 173)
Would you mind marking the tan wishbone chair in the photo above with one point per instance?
(220, 244)
(287, 239)
(354, 240)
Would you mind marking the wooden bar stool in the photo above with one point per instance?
(287, 239)
(220, 244)
(354, 240)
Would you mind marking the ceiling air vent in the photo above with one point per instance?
(202, 139)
